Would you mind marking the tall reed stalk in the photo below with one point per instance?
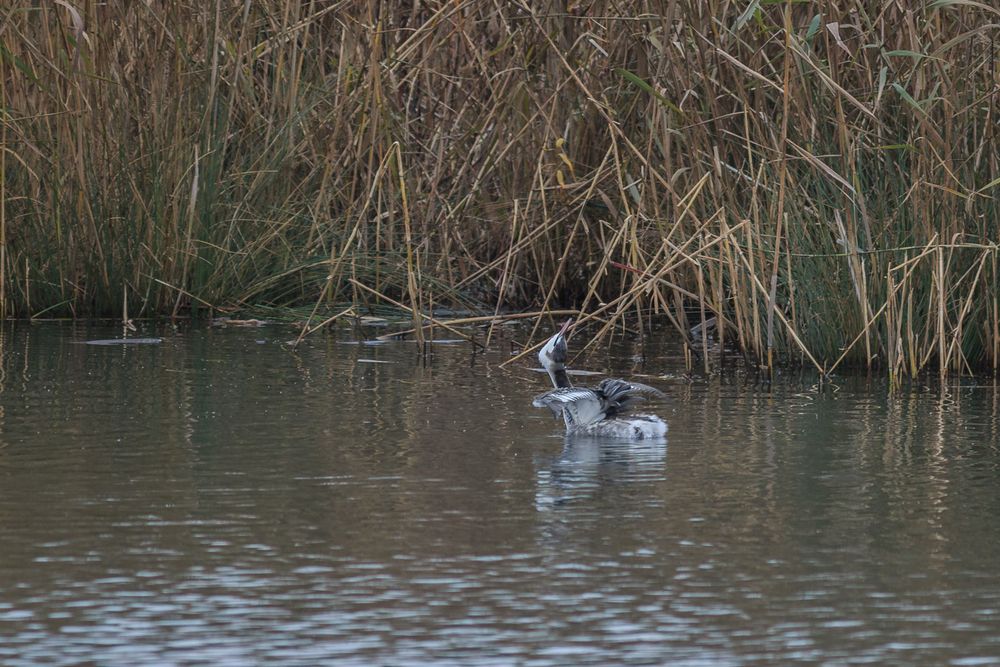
(820, 178)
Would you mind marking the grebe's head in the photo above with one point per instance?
(553, 356)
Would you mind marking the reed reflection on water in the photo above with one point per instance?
(220, 498)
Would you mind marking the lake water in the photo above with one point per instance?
(221, 499)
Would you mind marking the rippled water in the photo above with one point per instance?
(220, 499)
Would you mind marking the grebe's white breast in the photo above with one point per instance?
(634, 427)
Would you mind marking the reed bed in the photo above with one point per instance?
(816, 179)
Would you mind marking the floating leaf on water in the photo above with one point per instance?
(229, 322)
(125, 341)
(374, 361)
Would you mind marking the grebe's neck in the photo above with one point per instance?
(553, 358)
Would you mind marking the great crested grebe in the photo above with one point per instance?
(595, 412)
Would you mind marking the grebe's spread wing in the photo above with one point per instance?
(581, 406)
(619, 395)
(577, 405)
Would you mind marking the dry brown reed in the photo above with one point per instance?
(820, 178)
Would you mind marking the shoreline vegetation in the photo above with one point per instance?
(817, 179)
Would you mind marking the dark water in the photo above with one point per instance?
(218, 499)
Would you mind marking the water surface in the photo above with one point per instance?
(218, 498)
